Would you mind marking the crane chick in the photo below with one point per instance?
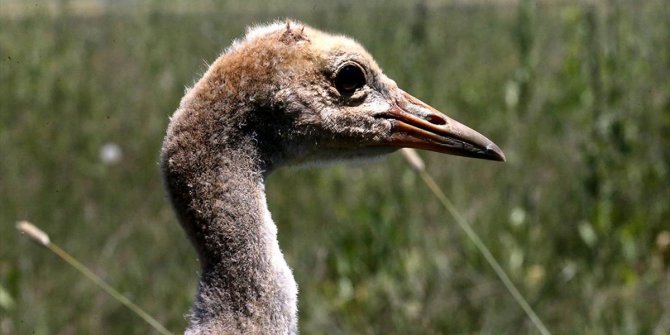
(284, 94)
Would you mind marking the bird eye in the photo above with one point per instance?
(349, 78)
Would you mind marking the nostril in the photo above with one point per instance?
(436, 119)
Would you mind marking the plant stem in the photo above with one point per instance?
(41, 238)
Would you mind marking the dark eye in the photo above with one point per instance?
(349, 78)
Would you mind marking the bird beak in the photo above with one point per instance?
(418, 125)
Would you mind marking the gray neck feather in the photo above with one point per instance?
(215, 177)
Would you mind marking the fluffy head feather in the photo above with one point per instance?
(276, 84)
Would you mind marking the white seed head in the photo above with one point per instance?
(110, 153)
(33, 232)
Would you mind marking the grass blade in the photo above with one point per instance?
(417, 165)
(41, 238)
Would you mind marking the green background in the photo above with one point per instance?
(577, 94)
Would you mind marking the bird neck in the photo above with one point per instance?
(217, 189)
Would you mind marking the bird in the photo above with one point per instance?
(283, 94)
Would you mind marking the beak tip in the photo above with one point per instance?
(495, 153)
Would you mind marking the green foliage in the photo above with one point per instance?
(577, 95)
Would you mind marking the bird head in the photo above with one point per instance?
(313, 96)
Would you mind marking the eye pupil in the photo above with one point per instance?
(349, 79)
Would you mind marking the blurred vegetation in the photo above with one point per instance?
(577, 94)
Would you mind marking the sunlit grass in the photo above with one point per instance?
(574, 216)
